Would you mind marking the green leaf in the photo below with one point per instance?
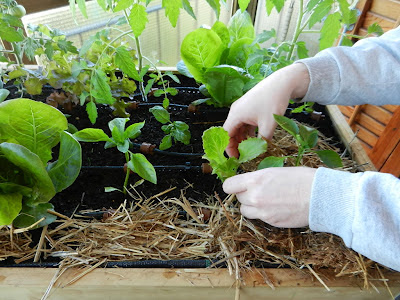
(311, 4)
(271, 162)
(123, 4)
(91, 135)
(160, 113)
(9, 34)
(172, 91)
(215, 141)
(375, 28)
(166, 142)
(225, 170)
(225, 84)
(188, 8)
(133, 131)
(270, 4)
(347, 16)
(172, 8)
(222, 31)
(182, 136)
(216, 6)
(251, 148)
(264, 36)
(239, 52)
(165, 102)
(4, 94)
(33, 168)
(240, 26)
(16, 73)
(330, 31)
(101, 90)
(321, 10)
(149, 85)
(172, 76)
(287, 124)
(109, 189)
(243, 4)
(118, 124)
(201, 49)
(65, 170)
(82, 7)
(329, 158)
(123, 146)
(10, 206)
(125, 62)
(181, 67)
(138, 19)
(346, 42)
(33, 124)
(31, 214)
(33, 86)
(91, 110)
(143, 167)
(102, 4)
(309, 135)
(302, 51)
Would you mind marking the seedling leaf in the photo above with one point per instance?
(271, 162)
(251, 148)
(65, 170)
(31, 214)
(11, 204)
(140, 165)
(166, 142)
(133, 131)
(91, 135)
(124, 61)
(138, 19)
(160, 113)
(329, 158)
(215, 141)
(287, 124)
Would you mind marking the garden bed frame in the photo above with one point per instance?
(163, 283)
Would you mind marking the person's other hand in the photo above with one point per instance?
(257, 106)
(277, 196)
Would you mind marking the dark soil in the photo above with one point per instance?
(88, 190)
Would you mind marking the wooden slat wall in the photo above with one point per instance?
(377, 127)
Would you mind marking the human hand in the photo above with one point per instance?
(257, 106)
(277, 196)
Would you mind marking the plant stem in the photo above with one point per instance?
(299, 156)
(297, 32)
(128, 171)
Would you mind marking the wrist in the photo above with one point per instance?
(296, 78)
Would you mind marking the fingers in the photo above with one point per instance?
(250, 212)
(236, 184)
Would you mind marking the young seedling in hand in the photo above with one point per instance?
(215, 141)
(120, 138)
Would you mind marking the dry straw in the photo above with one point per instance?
(164, 228)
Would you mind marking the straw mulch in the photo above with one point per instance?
(163, 228)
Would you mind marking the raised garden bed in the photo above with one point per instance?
(188, 214)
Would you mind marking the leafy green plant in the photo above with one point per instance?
(29, 130)
(306, 139)
(215, 141)
(174, 130)
(41, 40)
(228, 60)
(120, 138)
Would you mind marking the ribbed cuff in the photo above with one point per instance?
(324, 79)
(332, 202)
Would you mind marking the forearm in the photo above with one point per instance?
(368, 72)
(362, 208)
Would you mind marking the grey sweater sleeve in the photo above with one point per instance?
(368, 72)
(362, 208)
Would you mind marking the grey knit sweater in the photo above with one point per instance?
(362, 208)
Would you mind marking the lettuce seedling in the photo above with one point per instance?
(215, 141)
(176, 130)
(120, 138)
(28, 132)
(306, 139)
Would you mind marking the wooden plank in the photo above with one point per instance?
(387, 8)
(182, 284)
(385, 23)
(392, 164)
(387, 141)
(378, 113)
(346, 110)
(369, 123)
(365, 135)
(352, 144)
(390, 107)
(41, 5)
